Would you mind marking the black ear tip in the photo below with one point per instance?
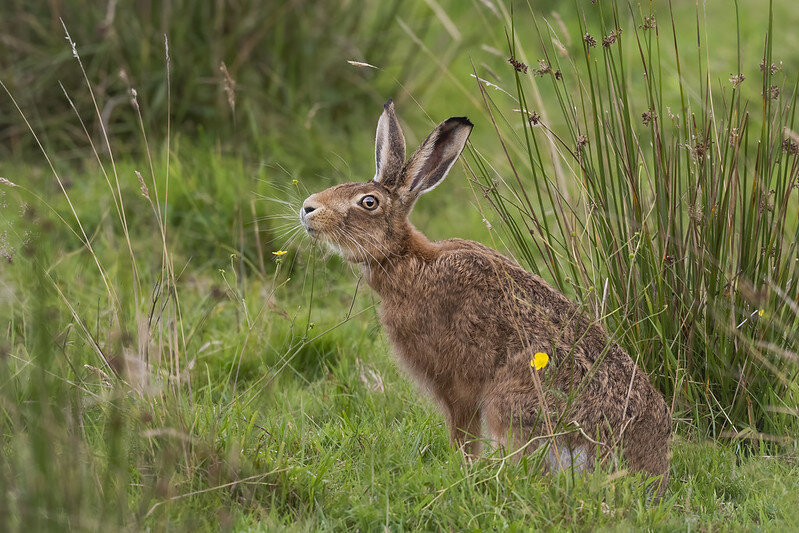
(464, 121)
(388, 104)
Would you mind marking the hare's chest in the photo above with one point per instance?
(430, 343)
(408, 328)
(415, 335)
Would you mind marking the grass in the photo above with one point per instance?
(271, 399)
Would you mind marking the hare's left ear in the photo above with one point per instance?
(389, 148)
(430, 163)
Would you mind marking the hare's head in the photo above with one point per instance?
(368, 221)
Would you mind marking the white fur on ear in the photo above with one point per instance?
(389, 147)
(432, 161)
(381, 144)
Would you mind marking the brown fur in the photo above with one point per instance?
(465, 321)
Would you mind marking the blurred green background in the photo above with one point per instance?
(161, 368)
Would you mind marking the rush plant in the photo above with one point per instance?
(665, 201)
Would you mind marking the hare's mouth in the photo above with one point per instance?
(313, 232)
(308, 229)
(316, 234)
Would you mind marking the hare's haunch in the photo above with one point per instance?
(466, 322)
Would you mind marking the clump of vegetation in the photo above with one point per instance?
(670, 214)
(244, 72)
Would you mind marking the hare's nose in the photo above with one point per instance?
(308, 207)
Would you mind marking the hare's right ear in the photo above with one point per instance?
(389, 148)
(430, 163)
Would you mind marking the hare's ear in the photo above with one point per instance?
(389, 148)
(430, 163)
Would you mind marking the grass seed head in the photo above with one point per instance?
(144, 190)
(230, 86)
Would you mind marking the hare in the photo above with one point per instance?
(466, 322)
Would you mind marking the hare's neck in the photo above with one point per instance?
(396, 271)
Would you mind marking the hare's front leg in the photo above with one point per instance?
(464, 422)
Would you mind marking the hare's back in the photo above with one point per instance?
(522, 306)
(482, 268)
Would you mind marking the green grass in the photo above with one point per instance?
(339, 439)
(272, 400)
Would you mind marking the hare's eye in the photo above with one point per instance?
(368, 202)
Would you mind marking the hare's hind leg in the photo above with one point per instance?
(646, 443)
(521, 426)
(513, 414)
(518, 419)
(565, 454)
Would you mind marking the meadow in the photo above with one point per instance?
(175, 354)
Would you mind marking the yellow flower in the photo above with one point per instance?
(760, 313)
(539, 361)
(280, 252)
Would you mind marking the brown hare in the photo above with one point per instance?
(466, 321)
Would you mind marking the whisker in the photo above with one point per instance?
(354, 241)
(276, 200)
(380, 246)
(282, 232)
(288, 233)
(287, 224)
(281, 216)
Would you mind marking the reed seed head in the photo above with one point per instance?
(737, 80)
(518, 66)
